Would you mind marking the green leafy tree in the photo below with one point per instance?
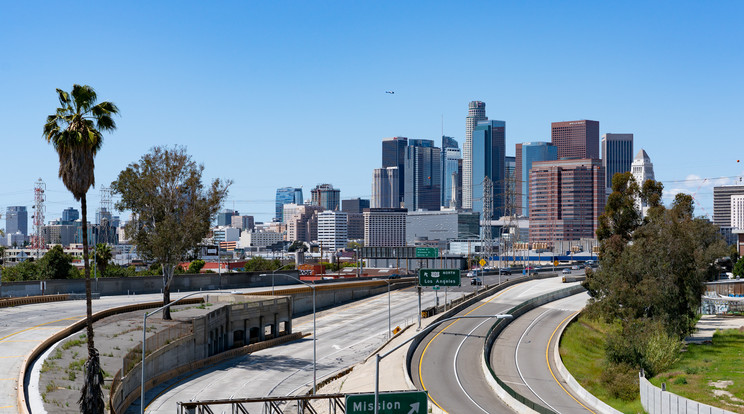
(196, 266)
(739, 268)
(56, 264)
(103, 257)
(76, 132)
(26, 270)
(260, 264)
(171, 208)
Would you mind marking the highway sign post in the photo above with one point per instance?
(409, 402)
(439, 277)
(427, 253)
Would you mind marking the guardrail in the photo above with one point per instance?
(499, 326)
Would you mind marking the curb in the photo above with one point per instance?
(574, 385)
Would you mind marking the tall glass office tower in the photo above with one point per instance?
(394, 155)
(476, 113)
(451, 157)
(617, 156)
(489, 160)
(527, 153)
(422, 175)
(286, 195)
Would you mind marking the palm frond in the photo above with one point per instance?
(84, 97)
(91, 397)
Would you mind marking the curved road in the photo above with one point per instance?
(447, 363)
(345, 335)
(523, 356)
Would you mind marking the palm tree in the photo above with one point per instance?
(75, 131)
(103, 256)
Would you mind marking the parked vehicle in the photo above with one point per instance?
(476, 281)
(575, 267)
(504, 271)
(566, 271)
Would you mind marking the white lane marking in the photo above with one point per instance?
(454, 366)
(516, 359)
(336, 347)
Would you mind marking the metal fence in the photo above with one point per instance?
(657, 401)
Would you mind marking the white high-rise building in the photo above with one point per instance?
(333, 230)
(476, 113)
(642, 170)
(737, 211)
(385, 227)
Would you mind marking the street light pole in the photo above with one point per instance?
(426, 331)
(315, 359)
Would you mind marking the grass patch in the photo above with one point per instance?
(76, 365)
(702, 365)
(82, 339)
(582, 350)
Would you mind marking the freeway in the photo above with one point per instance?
(345, 336)
(448, 361)
(523, 356)
(24, 327)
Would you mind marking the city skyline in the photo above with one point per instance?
(175, 72)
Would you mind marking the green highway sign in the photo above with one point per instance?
(410, 402)
(439, 277)
(427, 252)
(435, 288)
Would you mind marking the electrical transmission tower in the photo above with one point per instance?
(104, 215)
(37, 241)
(487, 238)
(510, 211)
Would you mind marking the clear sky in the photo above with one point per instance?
(274, 94)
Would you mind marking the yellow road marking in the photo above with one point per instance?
(12, 356)
(421, 360)
(37, 326)
(547, 361)
(8, 406)
(8, 379)
(21, 340)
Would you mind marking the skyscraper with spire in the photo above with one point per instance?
(476, 113)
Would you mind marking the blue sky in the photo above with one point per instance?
(274, 94)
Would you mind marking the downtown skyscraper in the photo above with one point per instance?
(394, 155)
(526, 154)
(423, 177)
(286, 195)
(476, 113)
(451, 178)
(576, 139)
(489, 160)
(617, 156)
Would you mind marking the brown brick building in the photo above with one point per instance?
(576, 139)
(566, 199)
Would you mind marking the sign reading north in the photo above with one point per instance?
(439, 277)
(413, 402)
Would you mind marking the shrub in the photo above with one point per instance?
(621, 381)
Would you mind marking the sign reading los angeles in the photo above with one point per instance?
(439, 277)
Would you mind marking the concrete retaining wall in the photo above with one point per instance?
(147, 284)
(656, 401)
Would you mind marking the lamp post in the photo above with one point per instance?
(314, 326)
(426, 331)
(272, 276)
(144, 333)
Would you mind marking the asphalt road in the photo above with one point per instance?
(23, 327)
(522, 356)
(345, 335)
(447, 363)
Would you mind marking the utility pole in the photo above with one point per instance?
(487, 238)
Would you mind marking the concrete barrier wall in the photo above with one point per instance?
(656, 401)
(599, 405)
(519, 402)
(147, 284)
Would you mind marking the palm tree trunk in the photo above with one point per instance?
(88, 294)
(167, 277)
(91, 395)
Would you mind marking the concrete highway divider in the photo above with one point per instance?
(28, 300)
(515, 400)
